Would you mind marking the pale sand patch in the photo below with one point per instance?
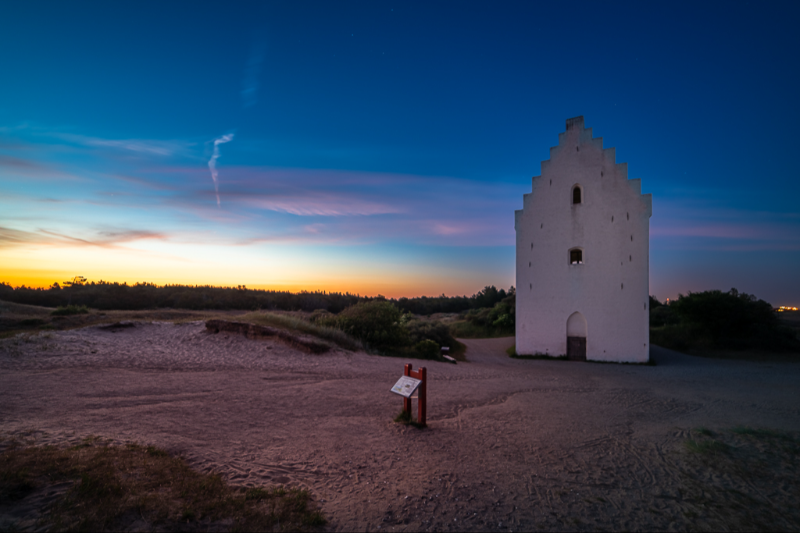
(512, 444)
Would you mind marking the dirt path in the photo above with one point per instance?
(512, 444)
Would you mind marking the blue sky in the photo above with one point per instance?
(382, 147)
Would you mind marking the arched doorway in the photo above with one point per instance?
(576, 337)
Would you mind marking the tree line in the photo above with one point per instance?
(719, 320)
(138, 296)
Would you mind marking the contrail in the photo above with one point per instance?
(212, 163)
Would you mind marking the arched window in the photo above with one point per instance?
(576, 194)
(576, 256)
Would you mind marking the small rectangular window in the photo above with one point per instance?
(576, 257)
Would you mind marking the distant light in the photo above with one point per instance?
(786, 308)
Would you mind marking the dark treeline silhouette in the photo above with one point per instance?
(716, 319)
(107, 296)
(425, 305)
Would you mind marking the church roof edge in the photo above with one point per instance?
(574, 121)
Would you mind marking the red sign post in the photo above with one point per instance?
(422, 390)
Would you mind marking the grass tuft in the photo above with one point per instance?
(761, 433)
(406, 418)
(70, 310)
(113, 485)
(742, 479)
(257, 494)
(337, 336)
(314, 518)
(464, 329)
(706, 447)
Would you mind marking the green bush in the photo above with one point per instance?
(673, 336)
(70, 310)
(317, 329)
(468, 330)
(725, 315)
(661, 316)
(719, 320)
(504, 321)
(376, 323)
(320, 315)
(435, 330)
(497, 321)
(428, 349)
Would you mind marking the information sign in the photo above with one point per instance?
(406, 386)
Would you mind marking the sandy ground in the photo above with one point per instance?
(512, 444)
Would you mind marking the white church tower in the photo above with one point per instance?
(583, 245)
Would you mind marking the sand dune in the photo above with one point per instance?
(512, 444)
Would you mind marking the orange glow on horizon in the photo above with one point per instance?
(409, 289)
(286, 273)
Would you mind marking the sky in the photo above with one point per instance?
(382, 147)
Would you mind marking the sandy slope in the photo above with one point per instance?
(512, 444)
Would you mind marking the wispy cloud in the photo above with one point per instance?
(141, 146)
(314, 229)
(106, 239)
(262, 203)
(697, 224)
(103, 239)
(212, 163)
(404, 208)
(319, 204)
(13, 237)
(16, 162)
(450, 228)
(713, 230)
(12, 166)
(156, 184)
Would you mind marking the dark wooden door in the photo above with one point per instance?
(576, 348)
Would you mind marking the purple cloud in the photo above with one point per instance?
(103, 239)
(141, 146)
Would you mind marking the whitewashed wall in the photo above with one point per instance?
(612, 227)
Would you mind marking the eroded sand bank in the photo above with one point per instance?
(512, 444)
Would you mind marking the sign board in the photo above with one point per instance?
(406, 386)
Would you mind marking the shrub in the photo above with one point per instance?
(654, 302)
(504, 321)
(428, 349)
(732, 320)
(673, 336)
(320, 315)
(377, 323)
(434, 330)
(716, 319)
(70, 310)
(498, 321)
(662, 315)
(318, 329)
